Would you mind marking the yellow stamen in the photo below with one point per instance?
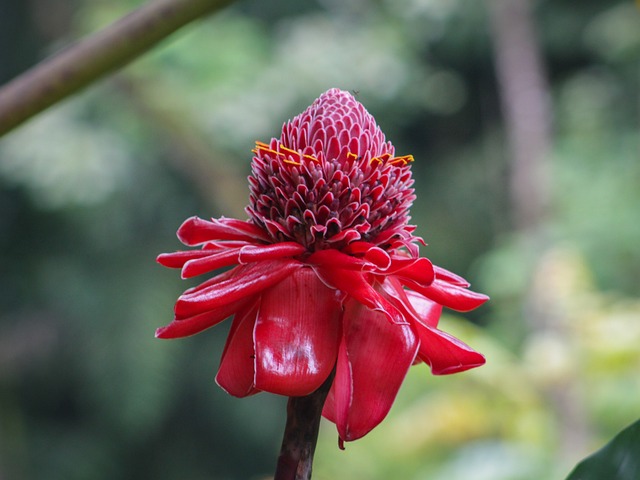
(404, 159)
(288, 150)
(381, 159)
(291, 162)
(387, 158)
(263, 147)
(269, 150)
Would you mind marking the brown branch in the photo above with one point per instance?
(88, 60)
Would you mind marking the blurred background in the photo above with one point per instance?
(523, 117)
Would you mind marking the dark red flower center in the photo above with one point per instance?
(331, 179)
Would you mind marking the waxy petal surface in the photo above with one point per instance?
(444, 353)
(335, 259)
(373, 360)
(196, 231)
(449, 295)
(237, 365)
(427, 310)
(413, 306)
(450, 277)
(355, 284)
(211, 262)
(197, 323)
(418, 270)
(296, 335)
(178, 259)
(246, 281)
(260, 253)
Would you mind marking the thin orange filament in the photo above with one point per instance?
(284, 154)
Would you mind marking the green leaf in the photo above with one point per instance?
(618, 460)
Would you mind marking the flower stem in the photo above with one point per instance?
(301, 434)
(85, 62)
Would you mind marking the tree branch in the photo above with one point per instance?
(85, 62)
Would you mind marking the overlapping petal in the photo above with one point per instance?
(211, 262)
(426, 310)
(260, 253)
(197, 231)
(449, 295)
(237, 366)
(356, 286)
(178, 259)
(246, 281)
(371, 253)
(450, 277)
(335, 259)
(413, 306)
(444, 353)
(373, 360)
(208, 260)
(296, 335)
(184, 327)
(420, 270)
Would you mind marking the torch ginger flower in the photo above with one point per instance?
(327, 272)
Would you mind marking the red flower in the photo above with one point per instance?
(327, 272)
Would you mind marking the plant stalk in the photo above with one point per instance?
(301, 434)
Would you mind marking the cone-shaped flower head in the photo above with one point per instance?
(331, 179)
(327, 272)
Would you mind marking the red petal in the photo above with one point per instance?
(196, 231)
(296, 335)
(178, 259)
(447, 276)
(245, 282)
(213, 280)
(237, 366)
(449, 295)
(413, 306)
(354, 284)
(333, 259)
(346, 236)
(255, 253)
(445, 353)
(373, 254)
(373, 360)
(419, 270)
(197, 323)
(378, 257)
(213, 261)
(359, 247)
(427, 310)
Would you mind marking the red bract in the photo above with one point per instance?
(327, 272)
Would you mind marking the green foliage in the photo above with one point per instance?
(618, 460)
